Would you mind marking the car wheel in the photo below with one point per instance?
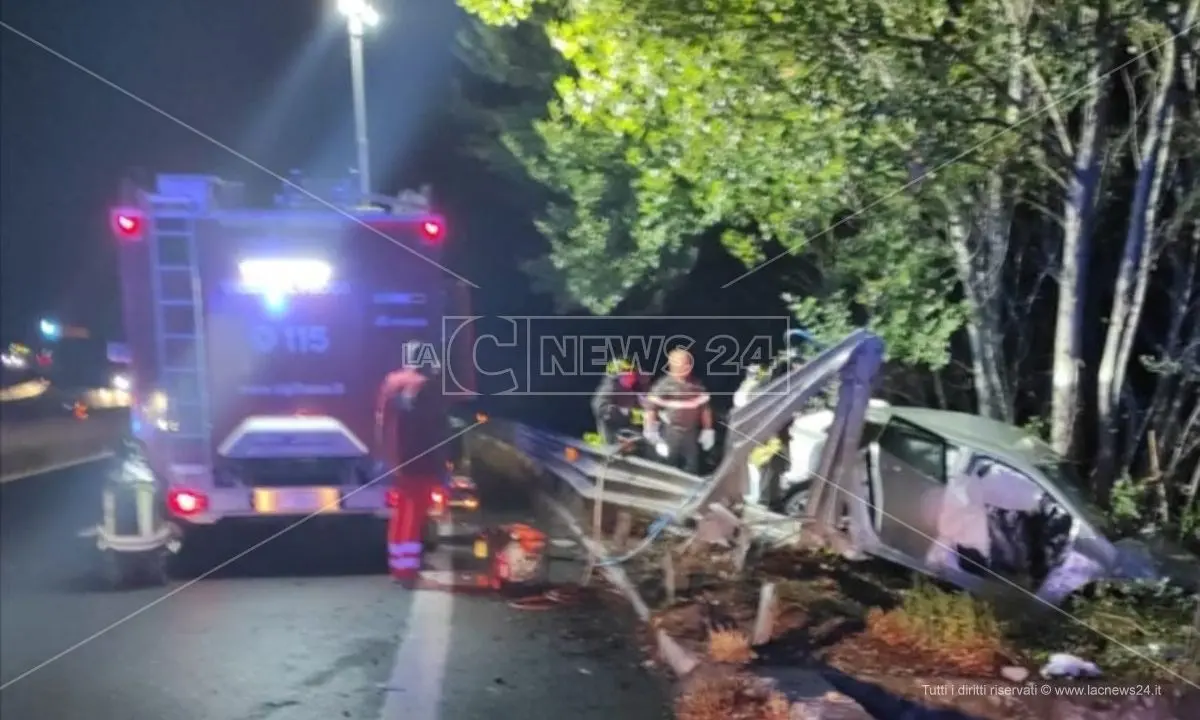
(795, 500)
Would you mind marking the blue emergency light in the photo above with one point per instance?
(276, 303)
(50, 329)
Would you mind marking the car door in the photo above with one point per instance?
(911, 464)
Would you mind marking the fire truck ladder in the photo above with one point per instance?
(179, 324)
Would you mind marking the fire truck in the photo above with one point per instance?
(258, 338)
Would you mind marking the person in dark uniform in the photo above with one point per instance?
(617, 403)
(679, 419)
(413, 430)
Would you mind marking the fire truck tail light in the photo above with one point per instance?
(127, 223)
(432, 231)
(437, 500)
(184, 503)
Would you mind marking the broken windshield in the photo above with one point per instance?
(1066, 479)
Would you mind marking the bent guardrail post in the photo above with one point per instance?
(833, 489)
(854, 359)
(637, 484)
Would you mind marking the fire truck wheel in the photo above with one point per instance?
(154, 568)
(121, 570)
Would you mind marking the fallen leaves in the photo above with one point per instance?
(730, 696)
(729, 646)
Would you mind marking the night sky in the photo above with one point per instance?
(268, 78)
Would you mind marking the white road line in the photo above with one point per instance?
(22, 474)
(414, 690)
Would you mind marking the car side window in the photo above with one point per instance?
(920, 449)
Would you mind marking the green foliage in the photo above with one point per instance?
(1038, 427)
(1126, 500)
(961, 630)
(771, 121)
(951, 617)
(1119, 625)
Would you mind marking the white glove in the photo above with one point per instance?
(708, 438)
(662, 449)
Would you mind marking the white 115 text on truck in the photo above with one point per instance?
(259, 338)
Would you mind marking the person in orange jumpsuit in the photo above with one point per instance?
(412, 429)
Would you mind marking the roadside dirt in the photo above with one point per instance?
(844, 621)
(833, 617)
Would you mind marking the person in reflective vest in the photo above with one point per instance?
(679, 419)
(617, 404)
(412, 431)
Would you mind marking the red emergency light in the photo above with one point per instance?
(432, 230)
(127, 223)
(185, 503)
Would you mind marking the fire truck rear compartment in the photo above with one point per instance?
(292, 472)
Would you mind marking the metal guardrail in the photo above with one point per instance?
(643, 485)
(630, 483)
(35, 447)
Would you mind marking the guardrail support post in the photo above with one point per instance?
(668, 568)
(764, 622)
(622, 530)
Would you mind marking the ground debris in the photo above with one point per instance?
(720, 692)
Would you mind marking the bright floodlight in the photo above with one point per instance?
(360, 11)
(13, 362)
(281, 277)
(122, 383)
(50, 329)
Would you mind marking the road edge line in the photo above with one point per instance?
(66, 465)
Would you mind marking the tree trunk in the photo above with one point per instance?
(984, 323)
(1133, 277)
(1078, 221)
(981, 263)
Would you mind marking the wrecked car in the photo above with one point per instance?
(974, 502)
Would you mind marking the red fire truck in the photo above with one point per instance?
(259, 337)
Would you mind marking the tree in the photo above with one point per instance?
(1154, 159)
(913, 156)
(779, 126)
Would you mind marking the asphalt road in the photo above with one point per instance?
(287, 633)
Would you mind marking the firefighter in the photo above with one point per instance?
(412, 429)
(617, 403)
(680, 404)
